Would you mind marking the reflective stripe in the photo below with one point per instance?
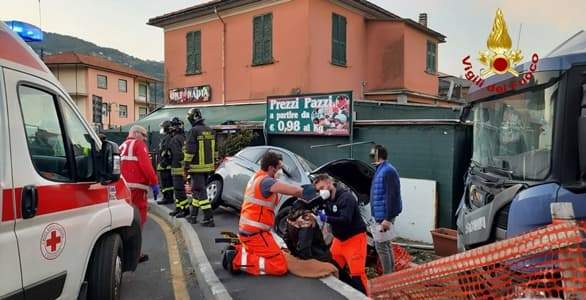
(169, 189)
(177, 171)
(138, 186)
(261, 226)
(259, 202)
(195, 202)
(133, 158)
(243, 259)
(131, 148)
(187, 157)
(261, 265)
(201, 151)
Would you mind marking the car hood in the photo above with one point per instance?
(355, 174)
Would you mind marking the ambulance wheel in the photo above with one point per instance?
(104, 273)
(214, 192)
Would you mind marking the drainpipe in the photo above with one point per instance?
(223, 55)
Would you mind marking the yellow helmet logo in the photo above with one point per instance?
(499, 59)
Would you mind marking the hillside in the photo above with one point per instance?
(55, 43)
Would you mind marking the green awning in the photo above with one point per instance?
(213, 115)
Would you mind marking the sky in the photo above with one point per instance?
(121, 24)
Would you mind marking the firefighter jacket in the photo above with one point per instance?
(200, 149)
(176, 145)
(258, 212)
(136, 166)
(165, 152)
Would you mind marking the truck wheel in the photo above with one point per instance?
(104, 273)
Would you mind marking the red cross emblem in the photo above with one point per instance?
(52, 241)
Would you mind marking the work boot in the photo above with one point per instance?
(208, 219)
(183, 213)
(175, 212)
(193, 217)
(228, 255)
(164, 201)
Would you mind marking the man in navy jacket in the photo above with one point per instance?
(385, 201)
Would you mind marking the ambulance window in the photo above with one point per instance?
(80, 142)
(43, 133)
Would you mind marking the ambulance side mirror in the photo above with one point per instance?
(109, 163)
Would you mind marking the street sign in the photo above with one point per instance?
(316, 114)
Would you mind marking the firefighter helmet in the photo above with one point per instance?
(194, 115)
(176, 123)
(165, 126)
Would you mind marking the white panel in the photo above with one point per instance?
(419, 210)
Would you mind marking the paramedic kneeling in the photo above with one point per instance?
(348, 228)
(258, 253)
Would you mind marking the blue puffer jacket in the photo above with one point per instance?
(385, 193)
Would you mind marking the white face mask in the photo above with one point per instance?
(162, 131)
(324, 194)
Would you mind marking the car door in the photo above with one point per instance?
(242, 167)
(64, 209)
(11, 283)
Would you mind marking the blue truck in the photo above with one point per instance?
(529, 147)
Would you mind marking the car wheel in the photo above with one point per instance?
(281, 220)
(214, 192)
(104, 273)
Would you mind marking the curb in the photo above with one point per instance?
(211, 287)
(208, 281)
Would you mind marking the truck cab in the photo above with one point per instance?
(529, 148)
(67, 227)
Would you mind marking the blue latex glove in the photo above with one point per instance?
(156, 190)
(322, 216)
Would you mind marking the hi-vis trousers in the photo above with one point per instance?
(259, 254)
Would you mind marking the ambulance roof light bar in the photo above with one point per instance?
(28, 32)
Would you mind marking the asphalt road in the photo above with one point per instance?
(244, 286)
(156, 279)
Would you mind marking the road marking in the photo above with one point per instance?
(177, 278)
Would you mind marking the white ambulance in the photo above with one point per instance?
(67, 229)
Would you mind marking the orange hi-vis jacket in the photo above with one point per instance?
(258, 212)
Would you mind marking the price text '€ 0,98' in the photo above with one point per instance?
(289, 126)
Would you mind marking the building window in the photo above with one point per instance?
(193, 52)
(431, 62)
(262, 52)
(122, 85)
(142, 90)
(142, 112)
(123, 111)
(97, 109)
(102, 82)
(338, 40)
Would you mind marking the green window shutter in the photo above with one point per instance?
(338, 39)
(197, 51)
(431, 59)
(267, 38)
(257, 40)
(190, 64)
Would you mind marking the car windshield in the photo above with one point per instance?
(514, 134)
(305, 164)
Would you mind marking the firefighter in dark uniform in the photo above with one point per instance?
(176, 145)
(164, 166)
(200, 153)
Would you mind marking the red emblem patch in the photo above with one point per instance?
(53, 241)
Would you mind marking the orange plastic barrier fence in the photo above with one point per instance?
(546, 263)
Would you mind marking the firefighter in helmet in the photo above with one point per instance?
(176, 145)
(164, 166)
(200, 154)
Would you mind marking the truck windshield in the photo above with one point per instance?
(514, 133)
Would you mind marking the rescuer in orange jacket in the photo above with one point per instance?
(258, 253)
(138, 171)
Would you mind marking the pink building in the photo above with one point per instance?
(241, 51)
(108, 94)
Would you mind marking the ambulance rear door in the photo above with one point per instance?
(63, 209)
(11, 283)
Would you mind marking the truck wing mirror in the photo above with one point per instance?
(582, 134)
(464, 112)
